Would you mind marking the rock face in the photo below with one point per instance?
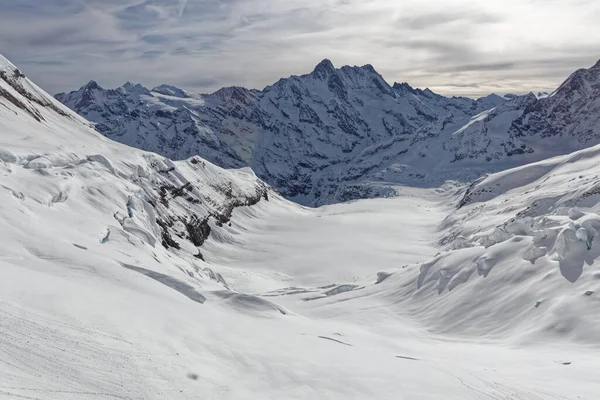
(341, 134)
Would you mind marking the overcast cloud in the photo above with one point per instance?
(468, 47)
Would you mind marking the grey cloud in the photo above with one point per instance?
(200, 85)
(155, 39)
(43, 62)
(471, 47)
(476, 67)
(437, 53)
(151, 54)
(29, 8)
(461, 85)
(428, 20)
(437, 46)
(138, 16)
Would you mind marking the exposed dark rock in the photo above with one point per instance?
(197, 229)
(167, 239)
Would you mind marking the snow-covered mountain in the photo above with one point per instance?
(318, 138)
(529, 128)
(54, 164)
(339, 134)
(125, 275)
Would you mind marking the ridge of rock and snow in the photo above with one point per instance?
(324, 137)
(529, 128)
(341, 134)
(489, 291)
(166, 191)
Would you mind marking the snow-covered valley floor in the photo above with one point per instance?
(322, 265)
(318, 328)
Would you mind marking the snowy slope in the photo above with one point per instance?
(518, 257)
(489, 292)
(323, 137)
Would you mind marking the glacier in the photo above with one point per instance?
(126, 275)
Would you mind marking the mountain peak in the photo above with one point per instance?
(580, 81)
(429, 92)
(493, 97)
(129, 87)
(369, 67)
(91, 85)
(169, 90)
(403, 88)
(325, 67)
(236, 93)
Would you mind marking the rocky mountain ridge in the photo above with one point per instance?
(339, 134)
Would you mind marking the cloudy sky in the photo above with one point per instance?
(469, 47)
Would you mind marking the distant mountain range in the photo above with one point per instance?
(340, 134)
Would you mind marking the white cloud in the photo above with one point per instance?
(453, 46)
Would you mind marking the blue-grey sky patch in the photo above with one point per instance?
(43, 62)
(151, 54)
(462, 47)
(200, 82)
(155, 39)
